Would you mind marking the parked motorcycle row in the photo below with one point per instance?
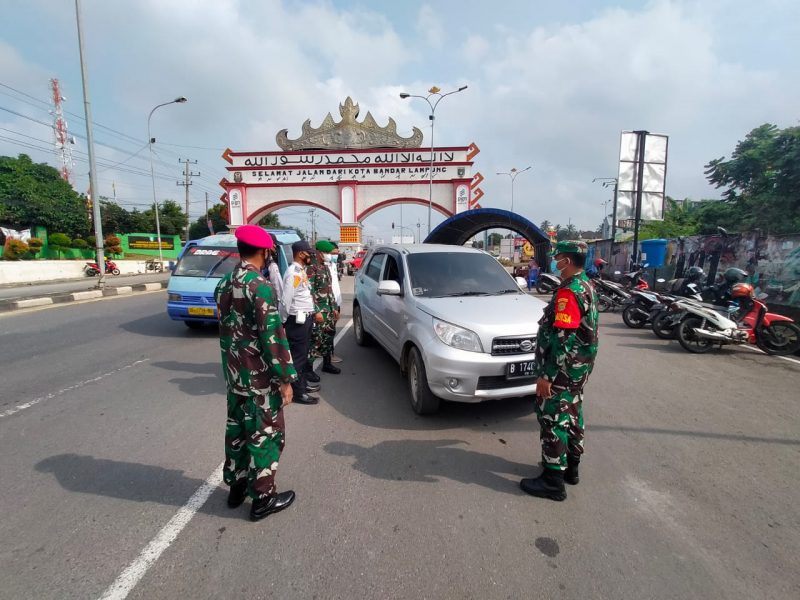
(699, 317)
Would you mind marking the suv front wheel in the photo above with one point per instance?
(423, 401)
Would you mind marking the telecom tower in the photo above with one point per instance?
(62, 141)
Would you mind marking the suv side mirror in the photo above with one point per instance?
(388, 287)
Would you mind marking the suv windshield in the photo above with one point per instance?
(205, 261)
(439, 274)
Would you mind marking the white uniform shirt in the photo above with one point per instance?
(296, 291)
(274, 274)
(337, 289)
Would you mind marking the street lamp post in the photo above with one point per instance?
(513, 175)
(150, 141)
(434, 91)
(608, 182)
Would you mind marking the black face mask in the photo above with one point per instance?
(307, 259)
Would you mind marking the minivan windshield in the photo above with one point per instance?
(207, 261)
(442, 274)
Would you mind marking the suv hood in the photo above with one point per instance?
(488, 316)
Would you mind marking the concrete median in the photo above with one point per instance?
(64, 298)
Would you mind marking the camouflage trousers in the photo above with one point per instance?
(322, 338)
(561, 427)
(254, 440)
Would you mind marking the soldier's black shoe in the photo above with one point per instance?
(313, 387)
(550, 484)
(263, 507)
(312, 376)
(237, 493)
(305, 399)
(571, 474)
(331, 368)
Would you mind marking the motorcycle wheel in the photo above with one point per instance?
(92, 273)
(115, 271)
(687, 338)
(779, 339)
(663, 328)
(542, 288)
(604, 304)
(633, 317)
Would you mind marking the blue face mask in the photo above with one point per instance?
(333, 258)
(558, 269)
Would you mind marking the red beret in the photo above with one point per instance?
(254, 236)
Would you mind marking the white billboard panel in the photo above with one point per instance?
(654, 176)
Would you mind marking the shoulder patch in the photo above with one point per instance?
(568, 313)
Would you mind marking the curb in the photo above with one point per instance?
(123, 290)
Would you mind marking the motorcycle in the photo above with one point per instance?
(642, 307)
(703, 328)
(610, 295)
(92, 270)
(667, 315)
(635, 278)
(547, 283)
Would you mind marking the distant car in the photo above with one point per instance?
(354, 264)
(453, 318)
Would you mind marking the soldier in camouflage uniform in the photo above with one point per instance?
(319, 275)
(566, 347)
(258, 372)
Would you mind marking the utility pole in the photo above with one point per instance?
(641, 137)
(187, 175)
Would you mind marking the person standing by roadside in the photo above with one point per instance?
(299, 308)
(334, 267)
(566, 347)
(258, 372)
(274, 275)
(326, 309)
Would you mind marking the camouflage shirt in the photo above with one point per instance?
(319, 276)
(566, 344)
(255, 353)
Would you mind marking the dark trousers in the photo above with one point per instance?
(298, 336)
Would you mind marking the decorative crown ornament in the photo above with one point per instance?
(348, 133)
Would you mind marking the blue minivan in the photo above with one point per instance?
(202, 263)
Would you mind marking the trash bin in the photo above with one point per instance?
(654, 252)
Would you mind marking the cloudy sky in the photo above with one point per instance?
(551, 84)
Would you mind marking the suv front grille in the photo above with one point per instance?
(499, 382)
(513, 345)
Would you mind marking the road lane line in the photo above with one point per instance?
(169, 533)
(35, 401)
(760, 351)
(136, 570)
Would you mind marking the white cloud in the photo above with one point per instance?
(429, 26)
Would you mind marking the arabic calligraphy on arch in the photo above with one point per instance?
(283, 160)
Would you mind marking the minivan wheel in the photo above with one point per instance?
(362, 337)
(423, 401)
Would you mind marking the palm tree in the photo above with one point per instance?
(544, 225)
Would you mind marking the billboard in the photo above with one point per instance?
(654, 175)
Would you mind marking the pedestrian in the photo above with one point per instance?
(258, 372)
(299, 308)
(274, 275)
(566, 346)
(326, 311)
(533, 273)
(335, 268)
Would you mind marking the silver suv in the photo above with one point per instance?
(452, 317)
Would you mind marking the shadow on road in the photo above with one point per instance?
(164, 327)
(206, 380)
(130, 481)
(431, 460)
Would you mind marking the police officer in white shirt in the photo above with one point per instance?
(299, 308)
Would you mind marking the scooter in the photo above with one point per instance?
(703, 328)
(610, 295)
(547, 283)
(92, 270)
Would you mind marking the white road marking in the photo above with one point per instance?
(136, 570)
(35, 401)
(128, 579)
(760, 351)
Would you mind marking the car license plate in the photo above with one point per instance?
(519, 370)
(199, 311)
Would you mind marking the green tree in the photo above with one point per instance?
(199, 229)
(171, 217)
(761, 180)
(35, 194)
(60, 242)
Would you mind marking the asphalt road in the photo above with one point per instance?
(19, 292)
(113, 416)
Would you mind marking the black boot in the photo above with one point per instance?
(550, 484)
(237, 493)
(312, 376)
(571, 474)
(263, 507)
(328, 366)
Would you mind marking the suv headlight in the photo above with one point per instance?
(457, 337)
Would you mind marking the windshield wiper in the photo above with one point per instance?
(456, 294)
(509, 291)
(217, 264)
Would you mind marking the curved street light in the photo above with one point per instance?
(513, 175)
(433, 92)
(150, 140)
